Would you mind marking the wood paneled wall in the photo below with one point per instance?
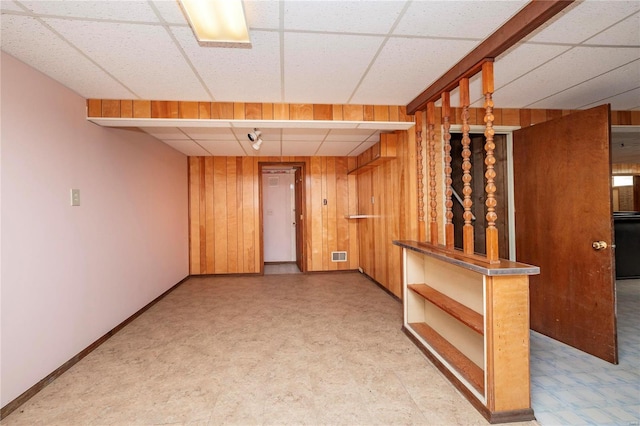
(224, 212)
(388, 193)
(126, 108)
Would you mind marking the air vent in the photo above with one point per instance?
(338, 256)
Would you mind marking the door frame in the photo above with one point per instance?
(511, 215)
(303, 204)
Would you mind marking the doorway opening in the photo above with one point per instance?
(478, 209)
(282, 215)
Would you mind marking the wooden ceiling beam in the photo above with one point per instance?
(523, 23)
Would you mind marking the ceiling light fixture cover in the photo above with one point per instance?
(217, 22)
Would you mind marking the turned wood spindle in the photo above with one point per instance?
(490, 160)
(420, 167)
(433, 204)
(446, 124)
(467, 203)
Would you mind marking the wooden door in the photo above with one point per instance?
(562, 184)
(299, 215)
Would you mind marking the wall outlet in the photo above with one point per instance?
(75, 197)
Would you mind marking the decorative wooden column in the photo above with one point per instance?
(422, 234)
(490, 160)
(467, 190)
(433, 203)
(446, 124)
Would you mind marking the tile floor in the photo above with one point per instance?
(279, 349)
(569, 387)
(281, 268)
(299, 349)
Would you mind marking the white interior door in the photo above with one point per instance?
(278, 215)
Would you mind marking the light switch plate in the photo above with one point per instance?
(75, 197)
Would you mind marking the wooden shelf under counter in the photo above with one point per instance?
(470, 317)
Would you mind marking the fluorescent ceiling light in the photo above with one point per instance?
(217, 22)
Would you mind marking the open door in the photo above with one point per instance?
(564, 224)
(299, 214)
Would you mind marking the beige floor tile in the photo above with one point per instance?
(280, 349)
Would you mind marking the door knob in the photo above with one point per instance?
(599, 245)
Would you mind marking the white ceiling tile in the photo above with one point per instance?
(349, 135)
(628, 101)
(237, 74)
(371, 17)
(187, 147)
(456, 19)
(304, 134)
(151, 70)
(230, 148)
(213, 133)
(170, 11)
(362, 148)
(598, 89)
(582, 20)
(573, 67)
(382, 83)
(262, 14)
(338, 149)
(138, 11)
(10, 5)
(625, 33)
(317, 72)
(268, 148)
(165, 132)
(306, 148)
(26, 39)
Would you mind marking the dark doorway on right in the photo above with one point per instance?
(478, 169)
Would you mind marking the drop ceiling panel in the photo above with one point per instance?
(624, 102)
(317, 72)
(268, 149)
(304, 134)
(262, 14)
(230, 148)
(10, 5)
(598, 89)
(456, 19)
(29, 41)
(573, 67)
(150, 70)
(382, 84)
(362, 148)
(165, 132)
(338, 149)
(170, 12)
(306, 148)
(187, 147)
(355, 135)
(625, 33)
(237, 75)
(210, 133)
(342, 16)
(137, 11)
(582, 20)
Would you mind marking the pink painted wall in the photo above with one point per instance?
(70, 274)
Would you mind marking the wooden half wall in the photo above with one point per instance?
(224, 212)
